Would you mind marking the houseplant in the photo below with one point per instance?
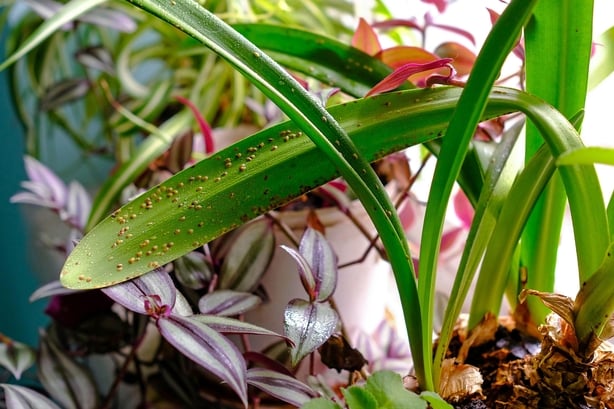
(499, 215)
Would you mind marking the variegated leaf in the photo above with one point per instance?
(207, 348)
(20, 397)
(227, 325)
(308, 325)
(281, 386)
(248, 257)
(67, 381)
(134, 294)
(16, 357)
(227, 302)
(320, 256)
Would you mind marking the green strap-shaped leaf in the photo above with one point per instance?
(497, 46)
(558, 46)
(318, 125)
(247, 179)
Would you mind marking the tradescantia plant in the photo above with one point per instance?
(518, 207)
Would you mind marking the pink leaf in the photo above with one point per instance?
(440, 4)
(463, 208)
(400, 75)
(396, 22)
(365, 38)
(204, 126)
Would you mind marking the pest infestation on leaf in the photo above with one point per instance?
(329, 216)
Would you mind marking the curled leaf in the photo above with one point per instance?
(459, 381)
(561, 305)
(462, 57)
(401, 74)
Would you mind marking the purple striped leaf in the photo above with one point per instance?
(44, 187)
(150, 294)
(208, 348)
(16, 357)
(249, 257)
(20, 397)
(281, 386)
(227, 325)
(67, 381)
(227, 302)
(320, 256)
(307, 276)
(308, 325)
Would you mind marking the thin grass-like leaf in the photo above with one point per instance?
(497, 46)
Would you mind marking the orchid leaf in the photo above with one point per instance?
(249, 256)
(226, 325)
(326, 59)
(588, 155)
(134, 294)
(67, 381)
(308, 325)
(594, 303)
(558, 45)
(602, 63)
(207, 348)
(16, 357)
(320, 256)
(20, 397)
(227, 302)
(471, 105)
(281, 386)
(215, 199)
